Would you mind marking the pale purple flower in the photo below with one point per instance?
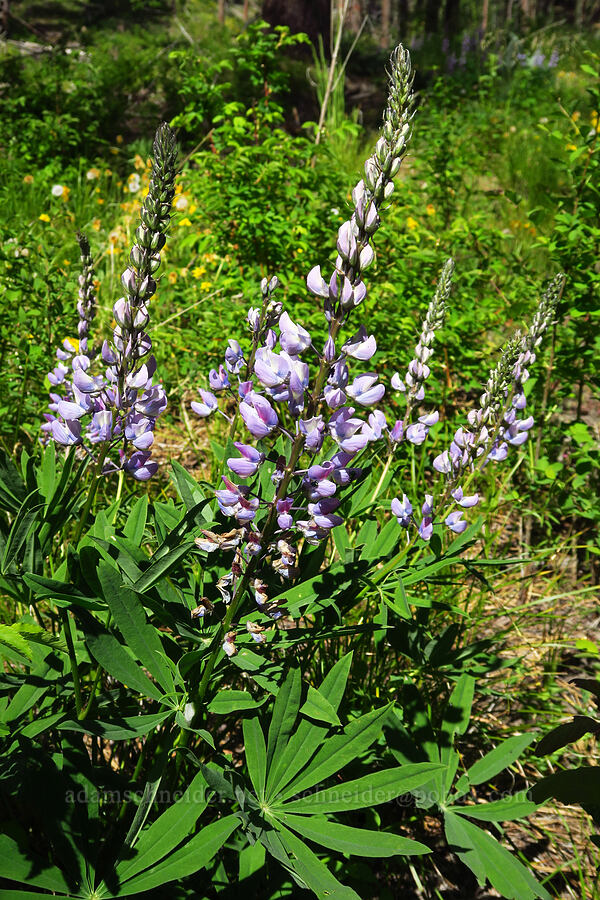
(455, 522)
(234, 357)
(66, 433)
(258, 414)
(346, 430)
(218, 381)
(465, 502)
(140, 466)
(271, 369)
(360, 346)
(284, 519)
(139, 430)
(365, 390)
(316, 283)
(323, 513)
(208, 405)
(397, 432)
(248, 463)
(293, 338)
(402, 509)
(314, 430)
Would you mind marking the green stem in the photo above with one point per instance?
(118, 497)
(91, 494)
(72, 659)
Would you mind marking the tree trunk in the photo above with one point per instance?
(484, 16)
(451, 18)
(402, 19)
(221, 12)
(432, 10)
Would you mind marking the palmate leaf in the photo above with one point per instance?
(504, 810)
(489, 860)
(283, 718)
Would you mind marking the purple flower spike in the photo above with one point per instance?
(258, 414)
(294, 339)
(248, 463)
(323, 513)
(427, 508)
(365, 390)
(455, 522)
(360, 346)
(402, 509)
(208, 405)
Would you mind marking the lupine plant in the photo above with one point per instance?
(136, 632)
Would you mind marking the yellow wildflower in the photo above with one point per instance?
(205, 285)
(192, 209)
(96, 223)
(571, 147)
(28, 179)
(66, 262)
(119, 139)
(430, 209)
(139, 163)
(183, 272)
(178, 188)
(185, 222)
(100, 200)
(181, 202)
(92, 174)
(412, 223)
(575, 116)
(44, 217)
(198, 271)
(172, 277)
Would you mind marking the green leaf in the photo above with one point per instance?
(21, 526)
(567, 733)
(505, 810)
(312, 871)
(160, 567)
(194, 855)
(489, 860)
(256, 754)
(61, 592)
(123, 730)
(231, 701)
(580, 785)
(113, 657)
(455, 721)
(318, 707)
(155, 775)
(378, 787)
(28, 868)
(355, 841)
(167, 831)
(499, 758)
(11, 638)
(283, 718)
(136, 521)
(130, 619)
(339, 750)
